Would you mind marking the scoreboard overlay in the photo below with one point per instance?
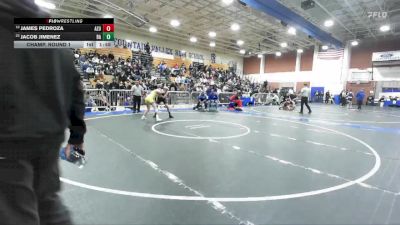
(31, 33)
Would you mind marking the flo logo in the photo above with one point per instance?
(377, 15)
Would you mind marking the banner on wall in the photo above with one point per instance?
(386, 56)
(161, 55)
(362, 75)
(137, 45)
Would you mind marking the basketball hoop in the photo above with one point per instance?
(358, 82)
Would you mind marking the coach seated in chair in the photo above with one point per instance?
(202, 101)
(212, 101)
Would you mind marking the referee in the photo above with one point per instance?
(305, 94)
(138, 91)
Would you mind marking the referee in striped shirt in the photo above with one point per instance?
(305, 94)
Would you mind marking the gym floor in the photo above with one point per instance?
(259, 166)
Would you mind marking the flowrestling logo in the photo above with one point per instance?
(377, 15)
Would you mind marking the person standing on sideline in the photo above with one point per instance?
(350, 96)
(33, 122)
(316, 96)
(343, 99)
(138, 91)
(305, 94)
(327, 97)
(360, 98)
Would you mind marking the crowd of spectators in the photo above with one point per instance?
(95, 66)
(200, 78)
(195, 77)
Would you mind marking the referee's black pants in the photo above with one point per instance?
(304, 101)
(29, 182)
(136, 103)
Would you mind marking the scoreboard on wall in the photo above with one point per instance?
(63, 33)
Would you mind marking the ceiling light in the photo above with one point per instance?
(300, 50)
(193, 39)
(153, 29)
(212, 34)
(325, 47)
(212, 44)
(240, 42)
(278, 54)
(354, 43)
(128, 40)
(227, 2)
(107, 16)
(328, 23)
(284, 45)
(384, 28)
(292, 30)
(235, 27)
(260, 55)
(242, 51)
(44, 4)
(175, 23)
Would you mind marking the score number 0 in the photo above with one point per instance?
(108, 27)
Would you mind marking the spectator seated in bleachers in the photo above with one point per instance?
(109, 72)
(93, 65)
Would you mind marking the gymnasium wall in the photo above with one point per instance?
(361, 55)
(332, 74)
(284, 63)
(307, 59)
(391, 73)
(251, 65)
(361, 60)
